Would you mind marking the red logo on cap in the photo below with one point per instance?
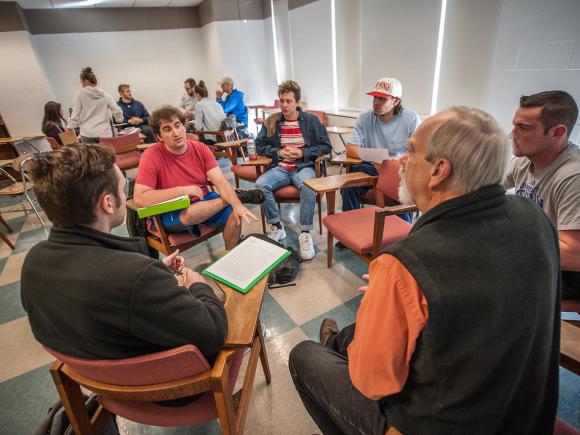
(387, 86)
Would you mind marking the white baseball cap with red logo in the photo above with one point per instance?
(387, 87)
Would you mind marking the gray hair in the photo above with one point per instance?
(475, 145)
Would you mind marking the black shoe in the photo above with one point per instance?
(340, 246)
(328, 327)
(252, 196)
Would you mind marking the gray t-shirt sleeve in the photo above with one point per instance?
(509, 181)
(567, 198)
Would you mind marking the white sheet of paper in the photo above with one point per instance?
(246, 262)
(373, 154)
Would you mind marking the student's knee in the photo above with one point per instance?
(300, 358)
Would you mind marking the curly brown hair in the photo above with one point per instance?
(69, 181)
(164, 113)
(290, 86)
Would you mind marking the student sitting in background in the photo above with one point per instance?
(387, 125)
(208, 113)
(187, 100)
(233, 101)
(93, 109)
(53, 122)
(134, 112)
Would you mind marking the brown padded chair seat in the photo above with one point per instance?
(185, 237)
(354, 229)
(128, 160)
(287, 192)
(247, 173)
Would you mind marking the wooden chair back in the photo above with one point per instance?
(122, 144)
(68, 137)
(127, 387)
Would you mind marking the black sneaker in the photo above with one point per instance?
(252, 196)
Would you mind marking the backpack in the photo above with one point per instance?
(136, 226)
(287, 270)
(57, 423)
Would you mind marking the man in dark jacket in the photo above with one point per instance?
(134, 112)
(458, 331)
(91, 294)
(293, 139)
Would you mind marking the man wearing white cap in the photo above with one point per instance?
(387, 125)
(233, 103)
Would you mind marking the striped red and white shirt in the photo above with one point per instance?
(291, 136)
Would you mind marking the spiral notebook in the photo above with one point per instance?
(246, 264)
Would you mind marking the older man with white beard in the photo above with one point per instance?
(442, 343)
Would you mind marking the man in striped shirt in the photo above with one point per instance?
(293, 139)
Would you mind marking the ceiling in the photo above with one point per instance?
(59, 4)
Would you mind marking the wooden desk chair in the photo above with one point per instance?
(129, 387)
(321, 115)
(22, 186)
(258, 120)
(167, 243)
(221, 137)
(366, 231)
(125, 148)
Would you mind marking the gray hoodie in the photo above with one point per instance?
(92, 112)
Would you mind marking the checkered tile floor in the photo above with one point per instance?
(290, 314)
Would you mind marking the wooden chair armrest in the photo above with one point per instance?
(231, 144)
(335, 182)
(396, 209)
(221, 363)
(142, 393)
(260, 161)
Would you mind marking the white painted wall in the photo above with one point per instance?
(24, 88)
(399, 39)
(538, 49)
(155, 63)
(310, 32)
(348, 52)
(468, 50)
(246, 58)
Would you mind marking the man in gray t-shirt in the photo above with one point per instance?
(546, 169)
(387, 125)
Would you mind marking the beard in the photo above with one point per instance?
(404, 195)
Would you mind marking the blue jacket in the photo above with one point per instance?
(133, 109)
(234, 105)
(316, 141)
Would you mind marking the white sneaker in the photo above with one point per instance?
(306, 246)
(276, 233)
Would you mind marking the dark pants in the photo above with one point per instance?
(570, 285)
(351, 195)
(320, 375)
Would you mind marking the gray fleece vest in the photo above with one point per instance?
(487, 359)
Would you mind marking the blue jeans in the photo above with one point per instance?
(278, 177)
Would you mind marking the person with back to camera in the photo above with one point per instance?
(93, 109)
(209, 114)
(53, 122)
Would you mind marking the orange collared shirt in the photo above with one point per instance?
(392, 314)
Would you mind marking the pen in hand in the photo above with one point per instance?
(174, 269)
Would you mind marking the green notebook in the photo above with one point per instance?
(246, 264)
(178, 203)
